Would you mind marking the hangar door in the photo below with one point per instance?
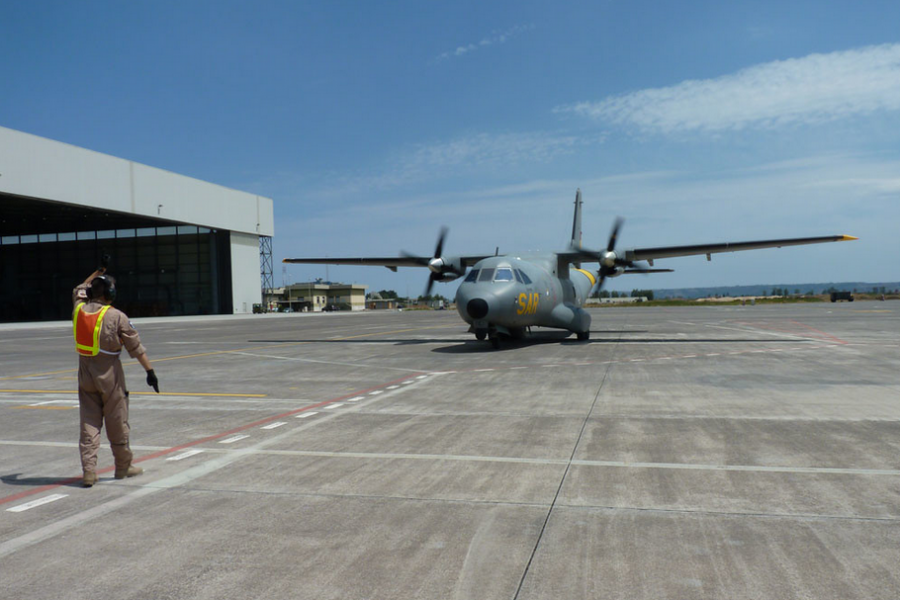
(161, 267)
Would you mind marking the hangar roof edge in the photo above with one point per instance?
(36, 167)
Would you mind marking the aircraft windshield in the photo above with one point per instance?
(486, 275)
(472, 276)
(504, 275)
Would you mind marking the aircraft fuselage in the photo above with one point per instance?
(506, 294)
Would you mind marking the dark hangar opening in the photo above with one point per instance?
(161, 267)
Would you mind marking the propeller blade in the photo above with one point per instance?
(430, 284)
(439, 250)
(415, 257)
(614, 234)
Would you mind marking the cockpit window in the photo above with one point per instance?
(525, 277)
(472, 276)
(486, 275)
(519, 276)
(503, 275)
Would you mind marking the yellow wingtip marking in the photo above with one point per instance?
(848, 238)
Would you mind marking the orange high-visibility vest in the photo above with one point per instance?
(87, 330)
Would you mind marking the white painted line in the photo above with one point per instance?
(68, 402)
(636, 360)
(516, 368)
(664, 358)
(713, 354)
(39, 502)
(482, 370)
(333, 406)
(233, 439)
(407, 382)
(392, 387)
(422, 377)
(305, 415)
(354, 399)
(376, 392)
(689, 356)
(184, 455)
(274, 425)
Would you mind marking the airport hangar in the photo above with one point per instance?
(179, 246)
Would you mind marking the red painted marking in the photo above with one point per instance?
(70, 480)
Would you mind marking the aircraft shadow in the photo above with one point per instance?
(457, 346)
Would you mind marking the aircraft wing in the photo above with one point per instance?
(390, 262)
(673, 251)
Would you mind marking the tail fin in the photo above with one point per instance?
(576, 222)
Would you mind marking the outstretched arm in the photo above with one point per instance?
(94, 275)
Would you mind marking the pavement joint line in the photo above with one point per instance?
(329, 362)
(221, 352)
(154, 394)
(178, 480)
(203, 440)
(717, 513)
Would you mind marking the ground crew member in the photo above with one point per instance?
(100, 333)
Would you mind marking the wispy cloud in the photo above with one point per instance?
(494, 39)
(813, 89)
(465, 154)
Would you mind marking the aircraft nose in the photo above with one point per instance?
(477, 308)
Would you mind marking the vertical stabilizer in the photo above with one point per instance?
(576, 222)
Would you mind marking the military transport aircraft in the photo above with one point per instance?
(504, 295)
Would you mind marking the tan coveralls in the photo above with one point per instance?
(101, 387)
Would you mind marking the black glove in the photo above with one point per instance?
(152, 381)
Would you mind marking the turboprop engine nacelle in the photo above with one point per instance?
(446, 269)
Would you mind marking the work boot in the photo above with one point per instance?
(130, 472)
(88, 479)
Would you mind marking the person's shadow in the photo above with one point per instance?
(16, 479)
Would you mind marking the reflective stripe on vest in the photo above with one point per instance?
(86, 327)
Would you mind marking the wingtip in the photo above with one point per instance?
(848, 238)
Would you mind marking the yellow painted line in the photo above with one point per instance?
(202, 394)
(589, 275)
(47, 407)
(219, 352)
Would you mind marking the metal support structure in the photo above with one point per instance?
(266, 270)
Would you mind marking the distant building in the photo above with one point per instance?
(376, 302)
(318, 296)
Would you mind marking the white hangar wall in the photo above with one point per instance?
(39, 168)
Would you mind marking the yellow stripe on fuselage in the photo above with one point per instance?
(589, 275)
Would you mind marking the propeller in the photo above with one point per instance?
(610, 263)
(437, 265)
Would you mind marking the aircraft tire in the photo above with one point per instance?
(583, 336)
(495, 342)
(480, 335)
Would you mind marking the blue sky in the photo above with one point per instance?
(373, 124)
